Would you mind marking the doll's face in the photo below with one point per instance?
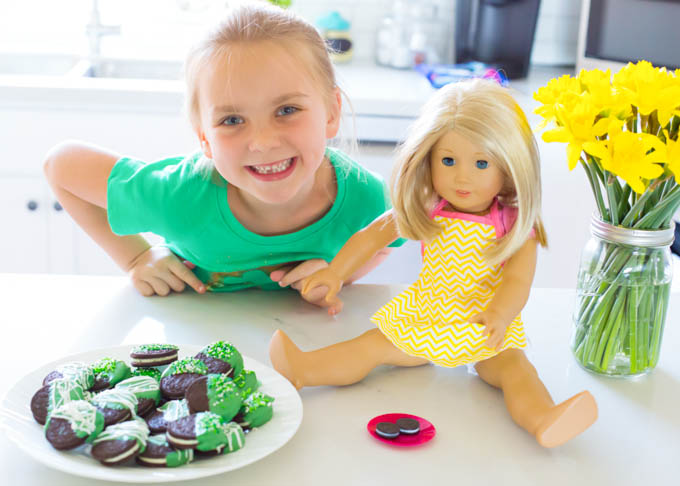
(464, 175)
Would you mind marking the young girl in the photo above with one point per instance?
(466, 183)
(265, 203)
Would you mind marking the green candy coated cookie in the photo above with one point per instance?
(152, 372)
(61, 391)
(224, 397)
(117, 398)
(256, 410)
(113, 370)
(135, 429)
(142, 387)
(85, 419)
(247, 382)
(225, 351)
(186, 365)
(178, 457)
(209, 431)
(145, 348)
(79, 372)
(236, 439)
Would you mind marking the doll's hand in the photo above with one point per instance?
(295, 277)
(326, 284)
(494, 327)
(158, 271)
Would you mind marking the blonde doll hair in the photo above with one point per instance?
(487, 115)
(251, 22)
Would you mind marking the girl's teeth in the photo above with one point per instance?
(273, 169)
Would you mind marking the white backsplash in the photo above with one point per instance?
(145, 33)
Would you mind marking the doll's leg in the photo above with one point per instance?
(529, 402)
(339, 364)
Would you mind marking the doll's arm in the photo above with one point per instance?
(511, 295)
(354, 255)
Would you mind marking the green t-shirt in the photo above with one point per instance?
(174, 199)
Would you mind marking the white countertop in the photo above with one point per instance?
(635, 440)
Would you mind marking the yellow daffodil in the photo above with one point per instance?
(558, 91)
(576, 127)
(609, 102)
(629, 155)
(672, 155)
(649, 89)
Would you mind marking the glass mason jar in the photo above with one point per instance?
(622, 293)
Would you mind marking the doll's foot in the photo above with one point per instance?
(567, 419)
(285, 357)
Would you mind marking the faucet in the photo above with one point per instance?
(95, 30)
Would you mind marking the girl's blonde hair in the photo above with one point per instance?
(485, 114)
(251, 22)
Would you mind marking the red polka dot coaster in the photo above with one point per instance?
(401, 429)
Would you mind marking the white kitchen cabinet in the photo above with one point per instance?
(37, 233)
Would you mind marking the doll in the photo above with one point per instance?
(467, 184)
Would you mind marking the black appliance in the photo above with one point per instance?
(496, 32)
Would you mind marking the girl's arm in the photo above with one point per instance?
(78, 175)
(355, 254)
(511, 295)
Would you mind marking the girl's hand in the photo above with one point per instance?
(158, 271)
(494, 325)
(325, 285)
(296, 276)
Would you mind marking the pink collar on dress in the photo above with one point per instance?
(493, 218)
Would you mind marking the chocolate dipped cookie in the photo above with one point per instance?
(159, 453)
(51, 396)
(108, 372)
(221, 357)
(72, 424)
(148, 355)
(168, 412)
(74, 371)
(117, 405)
(215, 393)
(121, 442)
(146, 389)
(177, 377)
(256, 410)
(202, 431)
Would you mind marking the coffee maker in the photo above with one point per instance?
(496, 32)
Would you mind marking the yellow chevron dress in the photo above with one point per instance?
(429, 319)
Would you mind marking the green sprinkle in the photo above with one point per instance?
(144, 348)
(186, 365)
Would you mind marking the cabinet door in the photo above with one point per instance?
(23, 219)
(60, 236)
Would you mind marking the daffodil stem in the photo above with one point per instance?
(595, 186)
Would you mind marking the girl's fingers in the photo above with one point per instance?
(159, 286)
(174, 282)
(180, 271)
(301, 271)
(279, 273)
(143, 288)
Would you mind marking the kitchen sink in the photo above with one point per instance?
(36, 64)
(18, 64)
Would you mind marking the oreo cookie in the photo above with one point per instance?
(159, 453)
(236, 439)
(148, 355)
(121, 442)
(108, 372)
(146, 389)
(74, 371)
(202, 431)
(247, 382)
(72, 424)
(53, 395)
(168, 412)
(152, 372)
(179, 376)
(256, 411)
(388, 430)
(117, 405)
(408, 425)
(222, 357)
(215, 393)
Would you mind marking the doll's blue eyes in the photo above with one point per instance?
(480, 164)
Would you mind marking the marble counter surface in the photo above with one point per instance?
(45, 317)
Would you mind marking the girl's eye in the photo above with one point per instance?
(232, 120)
(482, 164)
(287, 110)
(448, 161)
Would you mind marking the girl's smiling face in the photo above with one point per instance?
(464, 175)
(264, 122)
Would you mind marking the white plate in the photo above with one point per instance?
(18, 423)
